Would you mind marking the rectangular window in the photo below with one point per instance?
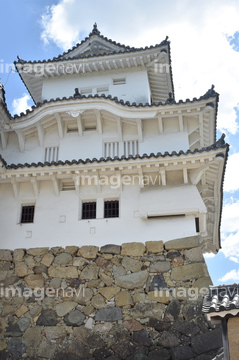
(102, 90)
(197, 224)
(86, 91)
(111, 209)
(111, 149)
(119, 81)
(51, 153)
(89, 210)
(27, 215)
(131, 148)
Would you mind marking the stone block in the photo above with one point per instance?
(98, 301)
(132, 325)
(133, 249)
(148, 310)
(106, 279)
(3, 345)
(158, 283)
(211, 340)
(18, 255)
(160, 296)
(109, 314)
(233, 336)
(173, 311)
(154, 247)
(118, 271)
(63, 272)
(71, 249)
(22, 310)
(90, 272)
(202, 284)
(131, 264)
(64, 308)
(16, 348)
(5, 255)
(160, 266)
(123, 298)
(55, 332)
(47, 259)
(63, 259)
(110, 249)
(182, 244)
(47, 318)
(88, 252)
(47, 350)
(187, 272)
(194, 255)
(138, 297)
(32, 336)
(133, 280)
(21, 269)
(103, 328)
(109, 292)
(34, 281)
(169, 340)
(183, 353)
(37, 251)
(74, 318)
(83, 296)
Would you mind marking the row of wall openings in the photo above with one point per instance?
(100, 90)
(51, 153)
(130, 147)
(111, 209)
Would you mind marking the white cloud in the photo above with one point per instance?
(230, 217)
(201, 53)
(230, 245)
(234, 259)
(232, 275)
(231, 178)
(209, 255)
(21, 104)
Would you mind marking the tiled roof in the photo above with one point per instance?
(220, 144)
(221, 298)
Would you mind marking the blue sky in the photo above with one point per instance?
(204, 39)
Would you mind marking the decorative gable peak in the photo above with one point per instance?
(95, 30)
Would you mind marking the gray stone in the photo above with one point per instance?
(158, 283)
(192, 309)
(36, 310)
(23, 323)
(148, 310)
(169, 340)
(159, 325)
(18, 255)
(74, 318)
(110, 249)
(47, 318)
(46, 349)
(132, 281)
(188, 328)
(5, 255)
(153, 258)
(172, 254)
(181, 244)
(183, 353)
(37, 251)
(16, 348)
(90, 272)
(118, 271)
(68, 272)
(64, 308)
(173, 310)
(102, 353)
(187, 272)
(131, 264)
(160, 266)
(123, 349)
(142, 337)
(40, 269)
(13, 330)
(159, 354)
(94, 341)
(194, 255)
(63, 259)
(55, 283)
(83, 296)
(211, 340)
(32, 338)
(109, 314)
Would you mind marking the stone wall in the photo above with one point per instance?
(133, 301)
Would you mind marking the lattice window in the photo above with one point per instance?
(111, 209)
(111, 149)
(89, 210)
(131, 147)
(27, 215)
(51, 153)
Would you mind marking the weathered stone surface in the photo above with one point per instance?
(181, 244)
(37, 251)
(102, 263)
(123, 298)
(34, 281)
(154, 247)
(123, 349)
(83, 296)
(103, 328)
(63, 272)
(172, 254)
(133, 249)
(47, 318)
(64, 308)
(21, 269)
(2, 326)
(109, 292)
(159, 325)
(22, 310)
(188, 328)
(205, 342)
(36, 310)
(10, 281)
(178, 261)
(169, 340)
(47, 350)
(118, 271)
(183, 353)
(80, 262)
(172, 311)
(133, 325)
(55, 332)
(110, 249)
(187, 272)
(23, 323)
(74, 318)
(158, 283)
(63, 259)
(32, 337)
(194, 255)
(131, 264)
(4, 274)
(138, 297)
(153, 258)
(71, 249)
(90, 272)
(148, 310)
(88, 252)
(202, 284)
(47, 259)
(106, 279)
(3, 345)
(5, 255)
(98, 301)
(132, 281)
(160, 266)
(142, 337)
(13, 330)
(29, 260)
(76, 351)
(102, 353)
(94, 341)
(109, 314)
(16, 348)
(192, 309)
(160, 354)
(55, 283)
(160, 296)
(18, 255)
(40, 269)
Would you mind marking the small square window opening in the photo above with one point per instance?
(27, 215)
(111, 209)
(89, 210)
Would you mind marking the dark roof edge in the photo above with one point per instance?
(77, 95)
(220, 144)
